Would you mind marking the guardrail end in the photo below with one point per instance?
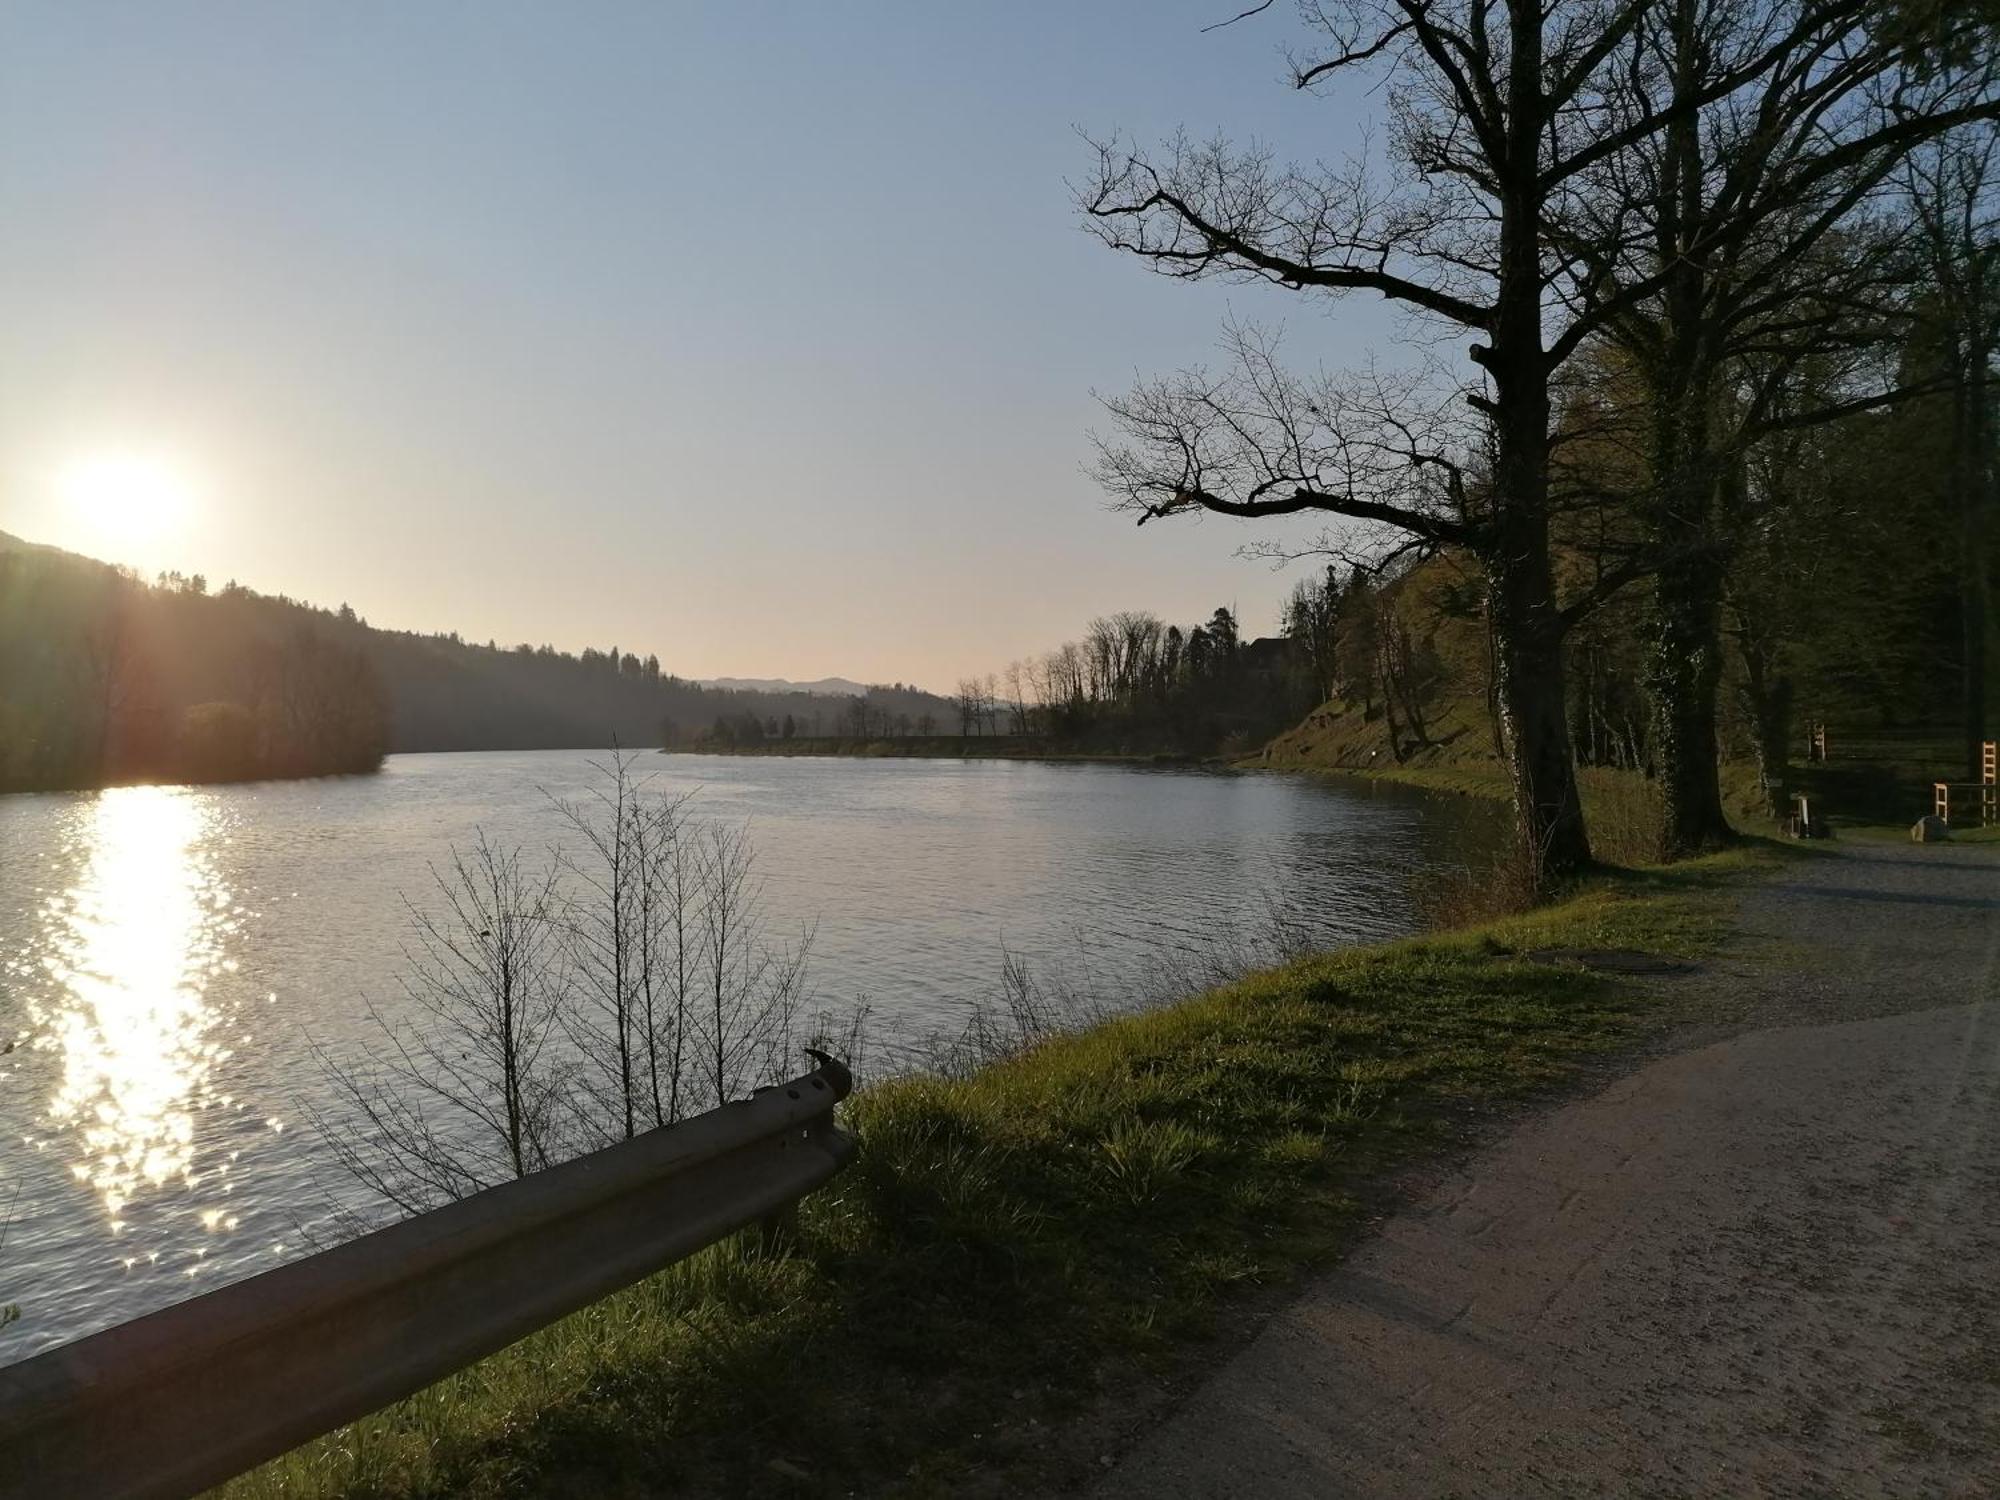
(838, 1078)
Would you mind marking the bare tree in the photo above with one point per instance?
(469, 1089)
(637, 892)
(752, 989)
(1735, 249)
(629, 983)
(1017, 697)
(1508, 119)
(605, 932)
(970, 701)
(1952, 187)
(1495, 111)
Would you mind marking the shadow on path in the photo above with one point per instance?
(1765, 1266)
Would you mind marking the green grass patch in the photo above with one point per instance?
(1892, 833)
(1006, 1244)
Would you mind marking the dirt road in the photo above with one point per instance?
(1766, 1264)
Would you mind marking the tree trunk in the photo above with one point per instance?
(1527, 641)
(1972, 475)
(1521, 598)
(1493, 685)
(1413, 708)
(1685, 673)
(1534, 725)
(1686, 667)
(1388, 698)
(1537, 729)
(1767, 694)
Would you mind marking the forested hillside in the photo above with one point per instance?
(1137, 685)
(1849, 599)
(106, 678)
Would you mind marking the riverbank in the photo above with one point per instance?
(1343, 742)
(1048, 1235)
(1621, 808)
(1873, 784)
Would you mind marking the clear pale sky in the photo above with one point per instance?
(759, 336)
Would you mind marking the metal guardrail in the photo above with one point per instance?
(167, 1405)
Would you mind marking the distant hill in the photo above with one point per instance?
(11, 543)
(826, 687)
(110, 677)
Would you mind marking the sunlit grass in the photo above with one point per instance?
(1005, 1239)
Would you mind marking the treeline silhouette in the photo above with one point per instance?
(1136, 685)
(109, 678)
(754, 719)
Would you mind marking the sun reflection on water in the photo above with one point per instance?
(133, 946)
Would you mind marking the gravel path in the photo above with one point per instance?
(1766, 1264)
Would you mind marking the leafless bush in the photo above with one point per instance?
(628, 983)
(470, 1087)
(1504, 884)
(635, 895)
(752, 989)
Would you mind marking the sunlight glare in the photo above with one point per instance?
(127, 497)
(137, 939)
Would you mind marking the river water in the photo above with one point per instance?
(169, 955)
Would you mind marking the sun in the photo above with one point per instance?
(126, 497)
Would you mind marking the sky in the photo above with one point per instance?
(759, 336)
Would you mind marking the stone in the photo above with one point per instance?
(1929, 829)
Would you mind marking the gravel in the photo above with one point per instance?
(1764, 1263)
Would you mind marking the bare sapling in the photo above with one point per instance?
(617, 918)
(469, 1087)
(629, 982)
(752, 989)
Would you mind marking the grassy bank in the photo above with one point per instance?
(1621, 808)
(1874, 784)
(1025, 1244)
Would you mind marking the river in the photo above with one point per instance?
(171, 954)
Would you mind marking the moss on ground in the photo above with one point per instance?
(1008, 1243)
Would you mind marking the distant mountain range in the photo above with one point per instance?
(827, 687)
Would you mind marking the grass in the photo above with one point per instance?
(1010, 1246)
